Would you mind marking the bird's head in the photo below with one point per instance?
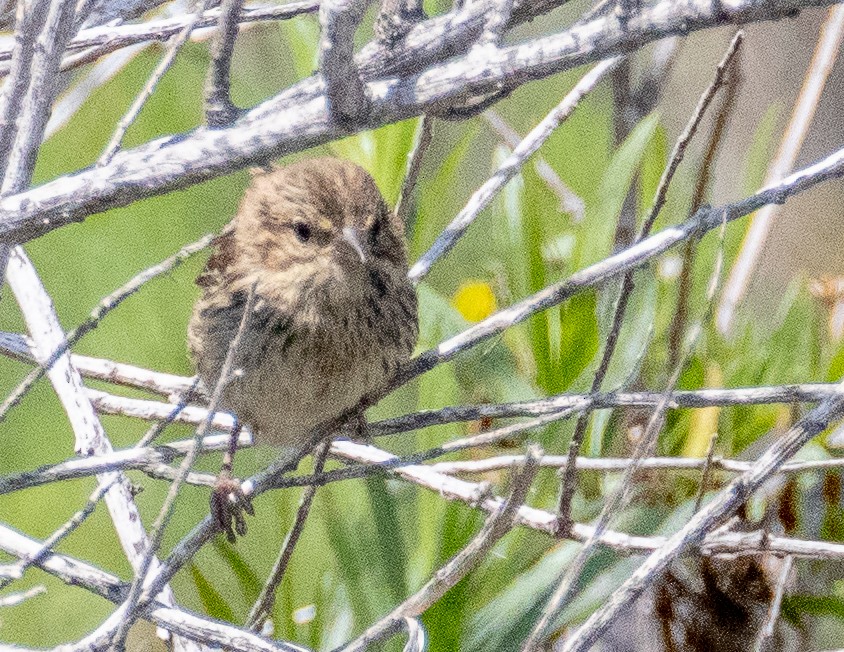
(319, 230)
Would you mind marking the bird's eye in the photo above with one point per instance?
(302, 231)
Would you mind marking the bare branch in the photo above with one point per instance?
(424, 135)
(153, 461)
(28, 24)
(297, 119)
(511, 166)
(497, 525)
(68, 527)
(91, 439)
(345, 91)
(35, 105)
(219, 109)
(826, 51)
(68, 570)
(113, 37)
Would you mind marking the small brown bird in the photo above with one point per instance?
(333, 312)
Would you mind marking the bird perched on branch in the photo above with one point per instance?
(320, 261)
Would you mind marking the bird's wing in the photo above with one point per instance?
(222, 257)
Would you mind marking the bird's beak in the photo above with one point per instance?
(353, 237)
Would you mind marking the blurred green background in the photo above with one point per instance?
(368, 544)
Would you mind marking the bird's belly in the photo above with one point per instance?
(285, 393)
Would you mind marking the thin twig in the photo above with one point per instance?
(702, 183)
(570, 202)
(263, 606)
(104, 307)
(680, 399)
(767, 630)
(19, 347)
(14, 599)
(173, 47)
(618, 464)
(111, 39)
(569, 480)
(631, 104)
(496, 526)
(118, 36)
(422, 139)
(511, 166)
(155, 410)
(68, 527)
(166, 511)
(219, 109)
(826, 52)
(707, 467)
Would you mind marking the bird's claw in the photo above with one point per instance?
(228, 504)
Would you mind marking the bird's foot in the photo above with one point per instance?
(228, 504)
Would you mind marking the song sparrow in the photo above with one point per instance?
(333, 314)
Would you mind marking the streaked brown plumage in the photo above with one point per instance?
(334, 314)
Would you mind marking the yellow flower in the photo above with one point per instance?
(474, 300)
